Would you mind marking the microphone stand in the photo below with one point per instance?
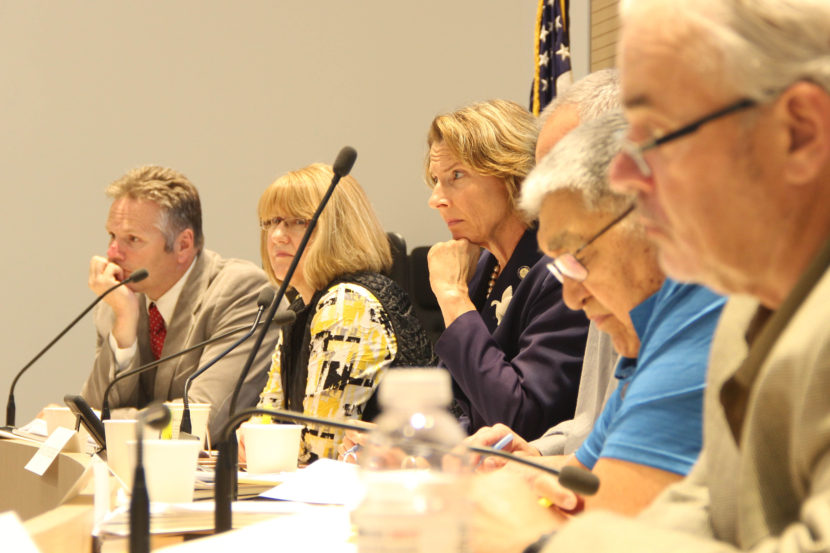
(11, 409)
(342, 166)
(157, 415)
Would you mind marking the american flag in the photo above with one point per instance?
(552, 53)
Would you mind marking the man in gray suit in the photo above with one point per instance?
(190, 295)
(729, 156)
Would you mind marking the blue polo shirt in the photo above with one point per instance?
(655, 416)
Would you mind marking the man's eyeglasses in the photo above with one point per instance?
(635, 151)
(293, 225)
(569, 266)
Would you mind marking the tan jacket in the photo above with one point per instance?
(767, 489)
(219, 295)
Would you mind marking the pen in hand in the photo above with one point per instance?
(501, 444)
(351, 452)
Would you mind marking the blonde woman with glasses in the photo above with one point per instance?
(353, 323)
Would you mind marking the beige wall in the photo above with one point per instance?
(232, 94)
(604, 29)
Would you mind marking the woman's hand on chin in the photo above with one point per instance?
(451, 266)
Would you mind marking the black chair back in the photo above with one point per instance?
(400, 264)
(420, 293)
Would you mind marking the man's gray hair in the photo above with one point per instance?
(755, 48)
(579, 162)
(174, 194)
(594, 95)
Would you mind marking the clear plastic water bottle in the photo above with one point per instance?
(415, 474)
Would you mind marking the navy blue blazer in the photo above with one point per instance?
(517, 359)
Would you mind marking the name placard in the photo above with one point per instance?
(49, 451)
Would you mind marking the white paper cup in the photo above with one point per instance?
(271, 448)
(199, 414)
(118, 432)
(169, 468)
(59, 416)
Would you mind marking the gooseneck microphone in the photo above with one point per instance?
(11, 410)
(280, 319)
(342, 166)
(156, 415)
(266, 296)
(574, 478)
(344, 162)
(577, 479)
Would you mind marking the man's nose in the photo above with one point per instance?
(626, 178)
(574, 294)
(114, 252)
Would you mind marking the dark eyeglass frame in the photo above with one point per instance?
(557, 267)
(635, 151)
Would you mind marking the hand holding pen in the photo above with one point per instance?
(501, 444)
(496, 437)
(352, 442)
(350, 454)
(552, 495)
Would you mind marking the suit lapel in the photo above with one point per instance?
(753, 409)
(736, 392)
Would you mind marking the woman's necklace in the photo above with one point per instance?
(493, 277)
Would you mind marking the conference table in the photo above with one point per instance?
(57, 510)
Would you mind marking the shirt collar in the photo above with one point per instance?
(166, 304)
(640, 317)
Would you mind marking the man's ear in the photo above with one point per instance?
(805, 110)
(185, 245)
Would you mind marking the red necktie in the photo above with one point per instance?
(157, 330)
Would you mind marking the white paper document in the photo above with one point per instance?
(327, 529)
(325, 482)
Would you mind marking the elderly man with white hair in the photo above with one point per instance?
(649, 433)
(729, 156)
(589, 98)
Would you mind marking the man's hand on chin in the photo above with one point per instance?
(103, 275)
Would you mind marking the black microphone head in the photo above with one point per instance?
(284, 318)
(138, 276)
(266, 296)
(345, 161)
(155, 415)
(583, 482)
